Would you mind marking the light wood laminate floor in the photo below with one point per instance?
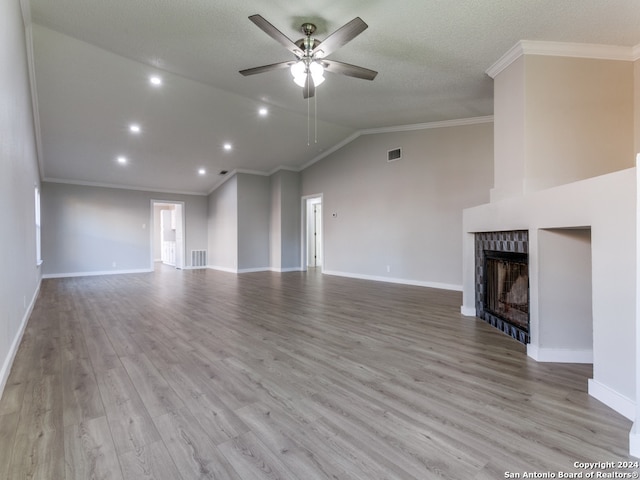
(204, 374)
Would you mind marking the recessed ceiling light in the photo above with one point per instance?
(134, 128)
(202, 171)
(155, 80)
(122, 160)
(263, 112)
(227, 146)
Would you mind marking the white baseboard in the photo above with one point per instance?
(253, 270)
(468, 311)
(93, 274)
(612, 399)
(8, 361)
(403, 281)
(634, 440)
(559, 355)
(285, 270)
(223, 269)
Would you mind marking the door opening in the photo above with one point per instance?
(167, 233)
(312, 256)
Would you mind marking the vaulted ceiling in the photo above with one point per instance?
(91, 62)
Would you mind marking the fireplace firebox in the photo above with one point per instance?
(502, 281)
(507, 287)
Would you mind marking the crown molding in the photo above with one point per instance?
(119, 187)
(561, 49)
(424, 126)
(399, 128)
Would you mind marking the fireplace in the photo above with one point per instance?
(502, 281)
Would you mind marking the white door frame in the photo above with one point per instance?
(182, 221)
(303, 231)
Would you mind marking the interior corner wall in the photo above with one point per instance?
(95, 230)
(254, 196)
(636, 108)
(19, 276)
(275, 222)
(401, 221)
(579, 119)
(222, 226)
(564, 292)
(290, 217)
(509, 131)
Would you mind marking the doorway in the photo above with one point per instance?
(167, 233)
(312, 240)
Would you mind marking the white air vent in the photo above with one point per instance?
(395, 154)
(198, 258)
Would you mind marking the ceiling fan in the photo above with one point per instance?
(310, 63)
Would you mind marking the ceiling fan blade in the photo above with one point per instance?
(309, 89)
(349, 70)
(341, 36)
(276, 34)
(266, 68)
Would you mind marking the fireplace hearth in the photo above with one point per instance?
(502, 281)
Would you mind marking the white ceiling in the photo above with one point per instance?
(92, 60)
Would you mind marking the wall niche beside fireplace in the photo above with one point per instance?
(502, 281)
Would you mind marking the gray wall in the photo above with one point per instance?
(19, 276)
(290, 222)
(285, 221)
(564, 290)
(222, 226)
(402, 220)
(87, 229)
(254, 196)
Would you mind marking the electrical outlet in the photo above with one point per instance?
(113, 264)
(388, 268)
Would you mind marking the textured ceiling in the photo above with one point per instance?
(92, 59)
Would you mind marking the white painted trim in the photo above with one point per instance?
(8, 361)
(461, 122)
(505, 60)
(559, 355)
(621, 404)
(351, 138)
(254, 270)
(331, 150)
(399, 128)
(96, 273)
(403, 281)
(468, 311)
(223, 269)
(634, 440)
(119, 187)
(561, 49)
(285, 168)
(233, 173)
(152, 225)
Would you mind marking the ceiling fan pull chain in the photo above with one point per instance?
(308, 118)
(315, 115)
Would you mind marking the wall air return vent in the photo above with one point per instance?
(393, 155)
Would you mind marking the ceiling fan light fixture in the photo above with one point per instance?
(300, 69)
(317, 73)
(299, 73)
